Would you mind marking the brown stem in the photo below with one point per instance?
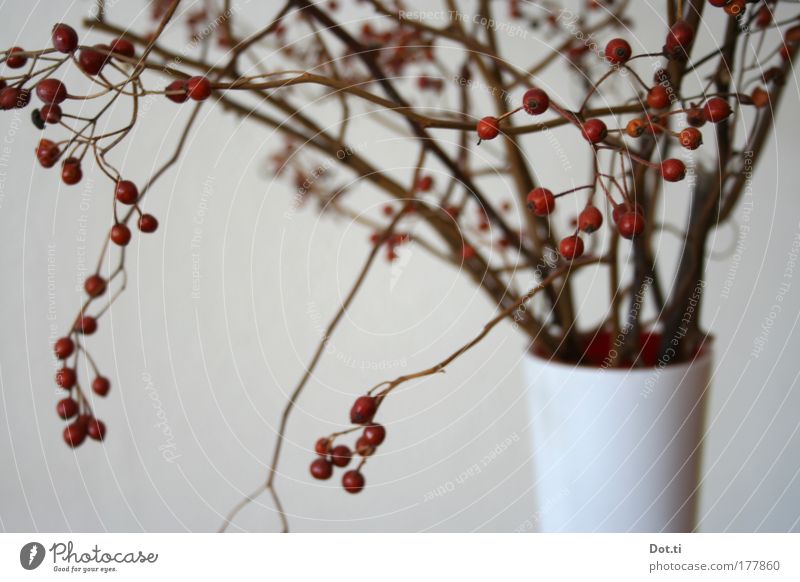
(298, 390)
(492, 323)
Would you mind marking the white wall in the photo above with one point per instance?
(213, 368)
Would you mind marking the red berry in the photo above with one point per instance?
(374, 434)
(488, 128)
(323, 447)
(691, 138)
(86, 325)
(662, 77)
(364, 408)
(718, 3)
(594, 131)
(66, 408)
(101, 385)
(792, 34)
(679, 40)
(176, 91)
(695, 117)
(658, 97)
(621, 209)
(123, 47)
(63, 348)
(630, 225)
(590, 219)
(425, 184)
(94, 285)
(618, 51)
(96, 429)
(353, 481)
(571, 247)
(147, 223)
(764, 17)
(321, 469)
(363, 448)
(126, 192)
(14, 98)
(198, 88)
(91, 61)
(341, 456)
(66, 378)
(8, 97)
(716, 109)
(51, 113)
(467, 252)
(535, 101)
(541, 201)
(673, 170)
(64, 38)
(51, 91)
(120, 235)
(734, 7)
(75, 433)
(15, 61)
(71, 172)
(47, 153)
(760, 97)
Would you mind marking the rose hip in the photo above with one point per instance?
(363, 410)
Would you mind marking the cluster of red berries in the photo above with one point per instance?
(628, 218)
(125, 191)
(433, 84)
(399, 47)
(48, 153)
(534, 102)
(75, 405)
(330, 456)
(392, 242)
(53, 93)
(450, 212)
(92, 60)
(83, 422)
(195, 88)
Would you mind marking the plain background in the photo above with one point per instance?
(225, 305)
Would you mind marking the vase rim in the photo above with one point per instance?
(704, 354)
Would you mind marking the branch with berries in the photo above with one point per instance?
(639, 112)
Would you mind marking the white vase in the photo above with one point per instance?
(616, 450)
